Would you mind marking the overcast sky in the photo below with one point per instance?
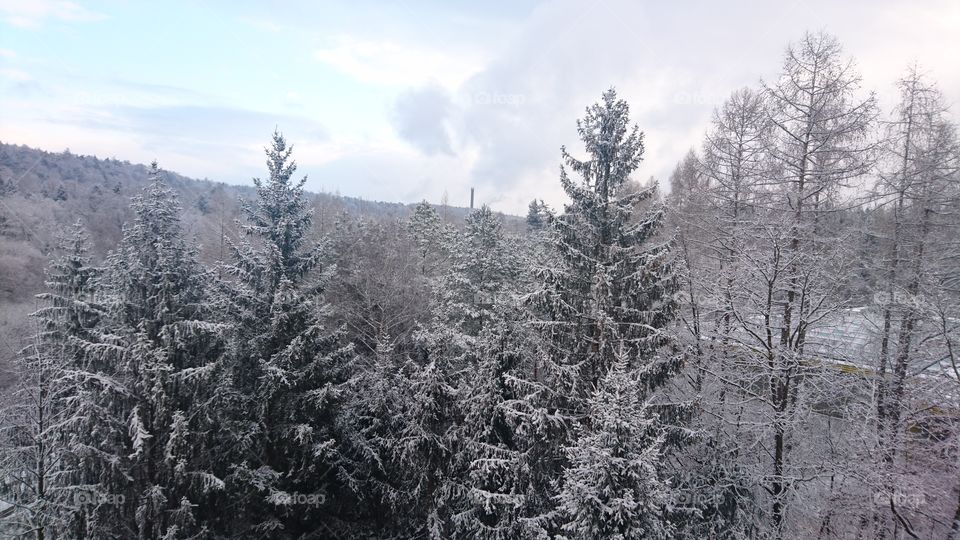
(402, 101)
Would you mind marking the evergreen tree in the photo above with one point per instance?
(496, 497)
(426, 446)
(474, 297)
(538, 215)
(430, 235)
(56, 430)
(72, 391)
(610, 293)
(380, 394)
(613, 487)
(68, 320)
(422, 456)
(483, 271)
(615, 279)
(284, 384)
(35, 462)
(71, 282)
(163, 349)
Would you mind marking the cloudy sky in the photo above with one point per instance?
(406, 100)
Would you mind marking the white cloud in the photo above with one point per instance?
(451, 109)
(564, 56)
(7, 53)
(33, 13)
(420, 118)
(15, 75)
(394, 64)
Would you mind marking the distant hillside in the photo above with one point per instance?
(41, 192)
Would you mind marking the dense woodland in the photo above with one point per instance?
(41, 193)
(766, 349)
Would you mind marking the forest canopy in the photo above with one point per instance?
(764, 346)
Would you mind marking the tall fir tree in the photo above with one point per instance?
(483, 270)
(163, 349)
(431, 236)
(615, 283)
(68, 318)
(67, 308)
(376, 412)
(498, 439)
(538, 215)
(613, 487)
(473, 299)
(35, 454)
(610, 293)
(287, 368)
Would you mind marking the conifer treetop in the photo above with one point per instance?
(281, 216)
(157, 209)
(615, 148)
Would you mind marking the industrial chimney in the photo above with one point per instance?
(471, 198)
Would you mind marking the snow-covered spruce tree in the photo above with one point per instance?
(469, 301)
(426, 445)
(383, 299)
(497, 437)
(610, 294)
(47, 461)
(67, 309)
(419, 452)
(35, 458)
(538, 215)
(473, 293)
(431, 236)
(69, 390)
(613, 486)
(157, 336)
(376, 413)
(283, 391)
(483, 269)
(444, 348)
(67, 319)
(614, 287)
